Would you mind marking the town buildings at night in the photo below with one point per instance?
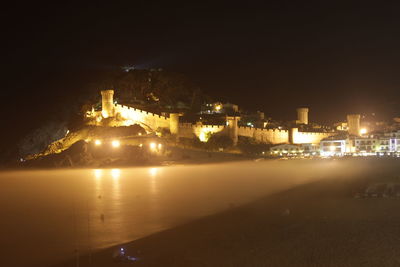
(294, 138)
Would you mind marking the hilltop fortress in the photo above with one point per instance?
(122, 115)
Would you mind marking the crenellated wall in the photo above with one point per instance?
(132, 116)
(201, 131)
(268, 136)
(126, 116)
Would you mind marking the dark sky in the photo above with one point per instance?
(332, 57)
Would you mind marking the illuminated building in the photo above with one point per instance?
(335, 146)
(286, 150)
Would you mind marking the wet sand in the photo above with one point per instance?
(315, 224)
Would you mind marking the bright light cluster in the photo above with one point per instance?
(115, 143)
(154, 146)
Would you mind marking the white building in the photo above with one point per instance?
(386, 144)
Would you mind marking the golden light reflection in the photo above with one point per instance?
(115, 173)
(97, 142)
(98, 173)
(153, 172)
(153, 181)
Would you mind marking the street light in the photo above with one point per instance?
(115, 143)
(363, 131)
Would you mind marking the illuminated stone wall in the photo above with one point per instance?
(129, 116)
(204, 131)
(308, 137)
(268, 136)
(126, 116)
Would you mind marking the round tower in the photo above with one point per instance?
(174, 123)
(302, 115)
(353, 124)
(232, 123)
(107, 103)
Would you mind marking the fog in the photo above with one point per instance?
(46, 215)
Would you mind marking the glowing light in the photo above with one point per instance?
(363, 131)
(140, 145)
(98, 173)
(153, 171)
(332, 148)
(97, 142)
(104, 113)
(116, 173)
(153, 146)
(218, 107)
(159, 146)
(139, 134)
(124, 114)
(98, 119)
(204, 136)
(115, 143)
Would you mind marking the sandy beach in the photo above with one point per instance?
(317, 224)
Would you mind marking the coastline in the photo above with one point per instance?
(202, 157)
(320, 223)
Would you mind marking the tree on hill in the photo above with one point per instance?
(163, 89)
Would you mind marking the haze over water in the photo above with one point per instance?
(46, 215)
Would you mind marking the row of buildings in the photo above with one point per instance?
(343, 144)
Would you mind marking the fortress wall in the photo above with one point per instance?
(133, 116)
(272, 136)
(246, 131)
(186, 130)
(276, 136)
(309, 137)
(199, 129)
(189, 130)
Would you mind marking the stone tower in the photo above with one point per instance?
(302, 115)
(107, 103)
(174, 123)
(353, 124)
(232, 122)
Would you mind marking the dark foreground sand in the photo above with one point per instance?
(318, 224)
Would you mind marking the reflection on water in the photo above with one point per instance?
(98, 173)
(115, 173)
(153, 180)
(134, 202)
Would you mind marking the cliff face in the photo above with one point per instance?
(88, 133)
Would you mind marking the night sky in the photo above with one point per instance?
(334, 58)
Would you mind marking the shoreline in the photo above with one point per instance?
(316, 224)
(228, 157)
